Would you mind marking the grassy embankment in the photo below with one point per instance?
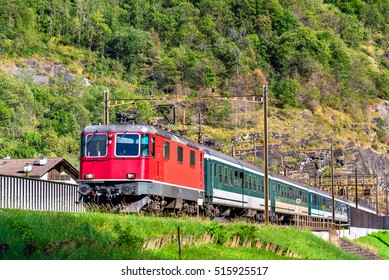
(377, 242)
(90, 236)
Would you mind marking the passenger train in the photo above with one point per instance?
(135, 166)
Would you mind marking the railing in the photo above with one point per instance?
(33, 194)
(304, 221)
(316, 223)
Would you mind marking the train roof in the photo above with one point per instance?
(140, 127)
(146, 128)
(214, 153)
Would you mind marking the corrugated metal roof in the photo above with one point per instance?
(15, 167)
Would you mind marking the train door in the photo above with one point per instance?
(210, 177)
(272, 195)
(152, 162)
(159, 159)
(201, 170)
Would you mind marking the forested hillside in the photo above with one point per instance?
(57, 57)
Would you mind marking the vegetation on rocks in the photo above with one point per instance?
(316, 55)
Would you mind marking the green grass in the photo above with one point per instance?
(91, 236)
(377, 242)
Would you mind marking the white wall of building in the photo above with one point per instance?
(352, 233)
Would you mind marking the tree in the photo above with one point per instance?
(351, 30)
(288, 92)
(100, 31)
(134, 47)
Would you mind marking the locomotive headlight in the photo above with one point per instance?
(131, 175)
(85, 190)
(89, 176)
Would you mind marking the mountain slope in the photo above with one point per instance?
(326, 63)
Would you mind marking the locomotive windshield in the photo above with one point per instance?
(132, 145)
(96, 145)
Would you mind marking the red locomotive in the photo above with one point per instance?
(134, 165)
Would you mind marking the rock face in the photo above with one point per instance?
(383, 110)
(42, 73)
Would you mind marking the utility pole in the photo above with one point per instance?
(106, 107)
(266, 155)
(255, 149)
(332, 188)
(200, 133)
(385, 187)
(356, 187)
(376, 198)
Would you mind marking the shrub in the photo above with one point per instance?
(218, 231)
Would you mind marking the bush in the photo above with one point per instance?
(218, 231)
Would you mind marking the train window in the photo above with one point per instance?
(220, 174)
(236, 178)
(82, 150)
(250, 182)
(192, 156)
(145, 149)
(245, 181)
(180, 154)
(231, 177)
(153, 143)
(255, 183)
(211, 171)
(96, 145)
(225, 175)
(127, 144)
(166, 150)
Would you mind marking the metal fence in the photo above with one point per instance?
(362, 219)
(33, 194)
